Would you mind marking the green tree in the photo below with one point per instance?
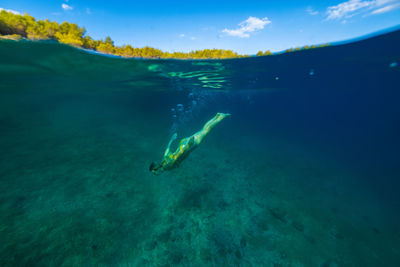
(266, 53)
(106, 46)
(15, 25)
(70, 33)
(51, 28)
(89, 43)
(126, 51)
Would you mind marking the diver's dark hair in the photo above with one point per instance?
(153, 165)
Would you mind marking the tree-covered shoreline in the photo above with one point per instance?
(15, 26)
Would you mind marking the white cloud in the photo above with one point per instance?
(182, 35)
(385, 9)
(351, 8)
(346, 9)
(252, 24)
(66, 7)
(10, 10)
(311, 11)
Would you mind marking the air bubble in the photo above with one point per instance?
(179, 107)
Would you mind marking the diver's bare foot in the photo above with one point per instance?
(222, 116)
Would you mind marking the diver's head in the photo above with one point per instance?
(155, 168)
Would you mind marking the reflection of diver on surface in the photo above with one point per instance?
(186, 145)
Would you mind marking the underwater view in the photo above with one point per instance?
(302, 171)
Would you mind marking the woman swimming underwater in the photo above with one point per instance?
(186, 145)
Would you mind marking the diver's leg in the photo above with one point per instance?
(199, 136)
(174, 136)
(214, 121)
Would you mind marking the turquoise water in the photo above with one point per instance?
(304, 173)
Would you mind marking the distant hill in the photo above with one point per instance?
(15, 27)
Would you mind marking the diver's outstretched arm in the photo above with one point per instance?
(174, 136)
(199, 136)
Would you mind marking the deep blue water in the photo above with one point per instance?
(304, 173)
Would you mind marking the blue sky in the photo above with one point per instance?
(243, 26)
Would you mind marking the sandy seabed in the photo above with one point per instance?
(75, 193)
